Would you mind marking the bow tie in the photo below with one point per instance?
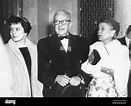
(62, 37)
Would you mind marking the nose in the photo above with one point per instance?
(60, 24)
(99, 31)
(13, 30)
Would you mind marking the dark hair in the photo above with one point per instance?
(128, 29)
(113, 23)
(24, 22)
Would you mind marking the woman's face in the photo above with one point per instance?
(105, 32)
(17, 32)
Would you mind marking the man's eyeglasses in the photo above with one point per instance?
(63, 22)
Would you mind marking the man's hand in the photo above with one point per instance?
(75, 80)
(63, 80)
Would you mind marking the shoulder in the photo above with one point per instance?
(122, 39)
(96, 44)
(30, 43)
(80, 39)
(9, 44)
(121, 47)
(6, 45)
(124, 48)
(43, 40)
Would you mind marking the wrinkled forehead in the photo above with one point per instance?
(62, 15)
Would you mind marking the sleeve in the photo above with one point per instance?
(85, 77)
(87, 67)
(6, 72)
(118, 61)
(121, 71)
(94, 57)
(45, 73)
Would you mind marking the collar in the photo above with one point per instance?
(127, 40)
(64, 37)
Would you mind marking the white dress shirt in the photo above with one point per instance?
(65, 44)
(127, 41)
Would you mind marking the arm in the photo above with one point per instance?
(85, 76)
(121, 73)
(107, 71)
(90, 65)
(45, 73)
(118, 62)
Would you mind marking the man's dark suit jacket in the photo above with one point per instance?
(53, 60)
(123, 41)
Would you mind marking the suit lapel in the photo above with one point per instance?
(124, 41)
(57, 46)
(72, 44)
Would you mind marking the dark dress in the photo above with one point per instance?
(27, 58)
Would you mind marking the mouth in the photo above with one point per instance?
(14, 36)
(61, 28)
(99, 35)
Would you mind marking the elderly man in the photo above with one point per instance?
(59, 60)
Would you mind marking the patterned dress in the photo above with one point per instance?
(114, 56)
(102, 87)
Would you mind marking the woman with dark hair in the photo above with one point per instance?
(23, 56)
(108, 63)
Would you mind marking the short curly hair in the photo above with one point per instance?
(24, 22)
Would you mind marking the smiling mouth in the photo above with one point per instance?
(60, 28)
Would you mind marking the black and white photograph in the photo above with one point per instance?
(76, 51)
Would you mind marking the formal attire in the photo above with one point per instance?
(54, 59)
(125, 41)
(24, 63)
(113, 82)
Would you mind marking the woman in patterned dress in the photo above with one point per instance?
(109, 65)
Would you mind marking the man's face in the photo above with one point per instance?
(62, 24)
(129, 35)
